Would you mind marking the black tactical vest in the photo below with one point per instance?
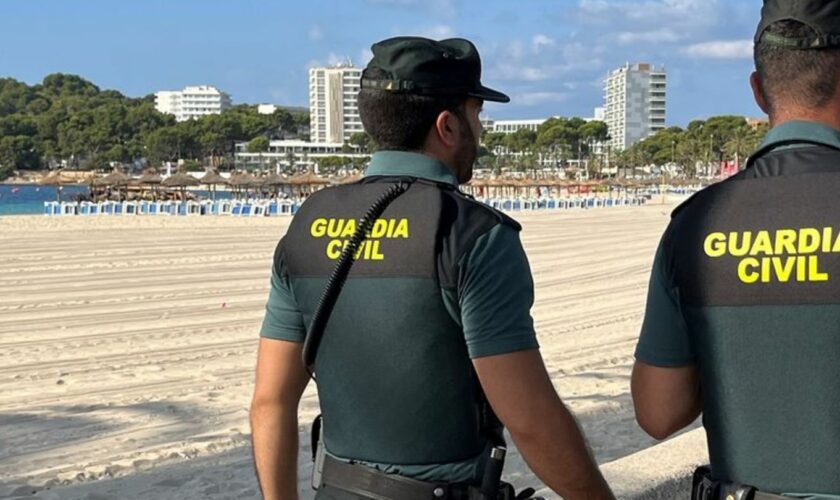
(755, 261)
(395, 382)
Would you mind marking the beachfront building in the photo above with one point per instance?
(511, 126)
(634, 101)
(192, 102)
(266, 109)
(754, 123)
(333, 107)
(544, 159)
(298, 154)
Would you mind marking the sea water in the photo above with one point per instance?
(19, 199)
(28, 199)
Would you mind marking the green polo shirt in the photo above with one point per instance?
(492, 306)
(675, 335)
(665, 339)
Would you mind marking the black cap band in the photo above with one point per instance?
(409, 86)
(821, 16)
(810, 42)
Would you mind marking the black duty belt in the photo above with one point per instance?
(371, 483)
(706, 488)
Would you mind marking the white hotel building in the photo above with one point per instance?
(192, 102)
(333, 118)
(635, 103)
(333, 103)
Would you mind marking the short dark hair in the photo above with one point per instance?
(400, 121)
(806, 78)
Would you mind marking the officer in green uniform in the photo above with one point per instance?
(743, 312)
(432, 322)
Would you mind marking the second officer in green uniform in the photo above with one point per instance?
(743, 312)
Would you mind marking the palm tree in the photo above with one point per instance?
(739, 145)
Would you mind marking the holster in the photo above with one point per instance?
(704, 487)
(367, 482)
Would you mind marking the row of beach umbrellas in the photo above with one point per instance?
(240, 181)
(182, 180)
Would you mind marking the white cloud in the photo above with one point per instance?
(536, 98)
(365, 55)
(540, 41)
(508, 72)
(664, 35)
(446, 9)
(513, 62)
(721, 49)
(437, 32)
(332, 60)
(316, 33)
(690, 15)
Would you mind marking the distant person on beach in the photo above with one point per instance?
(743, 312)
(432, 323)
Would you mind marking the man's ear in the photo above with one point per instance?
(446, 127)
(758, 92)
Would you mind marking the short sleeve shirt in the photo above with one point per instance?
(495, 297)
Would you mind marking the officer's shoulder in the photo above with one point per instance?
(704, 195)
(326, 191)
(322, 195)
(475, 211)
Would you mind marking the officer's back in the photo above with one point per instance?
(743, 315)
(433, 320)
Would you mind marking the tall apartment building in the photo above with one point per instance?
(333, 105)
(635, 103)
(192, 102)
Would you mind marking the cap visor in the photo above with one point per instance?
(489, 95)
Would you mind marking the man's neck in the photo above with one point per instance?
(829, 119)
(446, 161)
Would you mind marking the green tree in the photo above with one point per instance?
(329, 165)
(18, 152)
(521, 141)
(258, 144)
(363, 142)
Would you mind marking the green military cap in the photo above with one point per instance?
(822, 16)
(416, 65)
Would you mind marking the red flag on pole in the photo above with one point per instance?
(728, 168)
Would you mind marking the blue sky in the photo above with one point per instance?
(550, 56)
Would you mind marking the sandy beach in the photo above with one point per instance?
(127, 346)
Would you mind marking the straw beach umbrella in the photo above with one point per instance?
(117, 178)
(181, 180)
(273, 181)
(151, 178)
(309, 180)
(211, 179)
(240, 180)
